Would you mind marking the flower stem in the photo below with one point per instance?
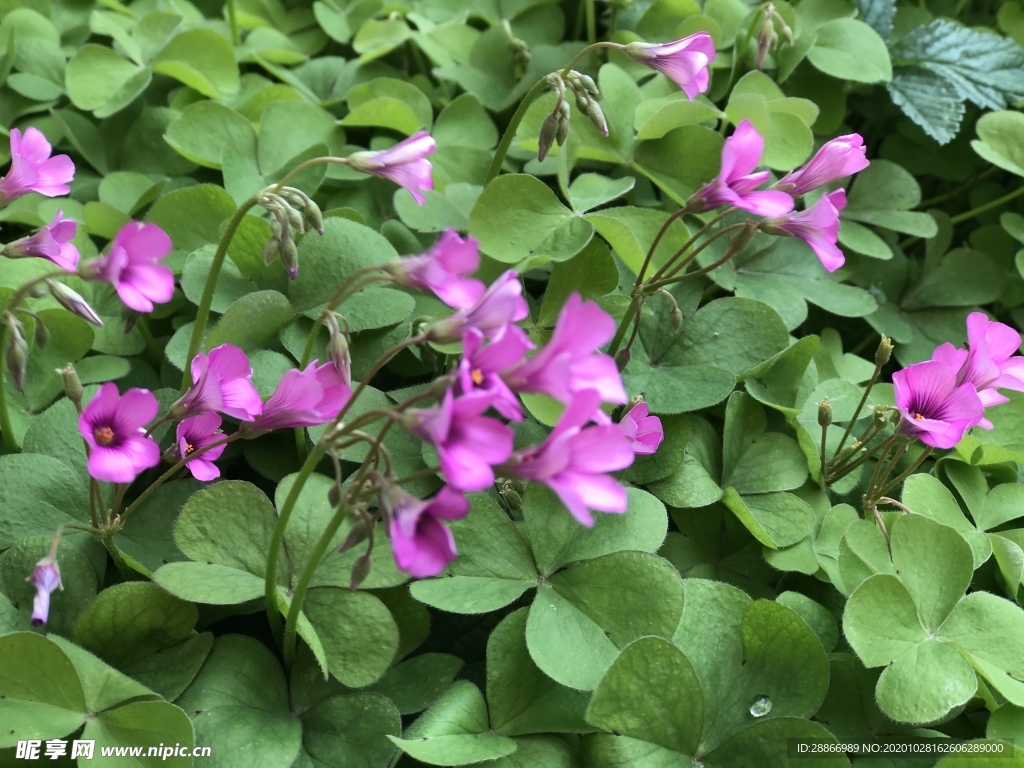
(6, 430)
(270, 579)
(591, 21)
(305, 578)
(860, 407)
(910, 470)
(620, 332)
(236, 38)
(689, 243)
(988, 206)
(510, 130)
(203, 313)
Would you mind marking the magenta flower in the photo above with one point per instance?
(818, 226)
(221, 381)
(405, 164)
(52, 241)
(502, 303)
(840, 157)
(570, 363)
(643, 431)
(468, 443)
(684, 62)
(32, 168)
(422, 543)
(573, 461)
(197, 433)
(443, 270)
(935, 407)
(46, 579)
(989, 362)
(131, 266)
(114, 429)
(304, 398)
(481, 368)
(736, 181)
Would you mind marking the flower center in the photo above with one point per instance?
(477, 376)
(189, 448)
(918, 417)
(103, 435)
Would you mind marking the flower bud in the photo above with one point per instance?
(271, 251)
(290, 258)
(360, 570)
(596, 115)
(295, 219)
(73, 389)
(276, 227)
(881, 415)
(622, 358)
(562, 132)
(340, 357)
(512, 498)
(40, 332)
(824, 413)
(884, 351)
(548, 131)
(356, 535)
(334, 495)
(742, 239)
(588, 82)
(72, 302)
(766, 38)
(314, 218)
(675, 319)
(16, 354)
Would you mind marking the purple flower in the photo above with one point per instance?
(736, 180)
(468, 443)
(685, 62)
(569, 363)
(502, 303)
(840, 157)
(989, 362)
(52, 242)
(304, 398)
(422, 543)
(32, 168)
(113, 428)
(481, 367)
(45, 578)
(405, 164)
(643, 431)
(573, 461)
(131, 266)
(196, 433)
(443, 270)
(818, 226)
(221, 381)
(935, 407)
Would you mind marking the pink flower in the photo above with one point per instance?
(113, 428)
(468, 443)
(45, 578)
(502, 303)
(570, 363)
(481, 367)
(443, 270)
(405, 164)
(304, 398)
(52, 242)
(573, 461)
(196, 433)
(818, 226)
(989, 362)
(131, 266)
(736, 180)
(935, 407)
(643, 431)
(840, 157)
(685, 62)
(221, 381)
(422, 543)
(32, 168)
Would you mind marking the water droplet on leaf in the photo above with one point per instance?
(762, 706)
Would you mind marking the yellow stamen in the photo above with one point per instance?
(104, 435)
(477, 376)
(918, 417)
(189, 448)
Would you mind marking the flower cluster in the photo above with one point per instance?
(737, 185)
(940, 399)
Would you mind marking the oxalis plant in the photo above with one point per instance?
(531, 385)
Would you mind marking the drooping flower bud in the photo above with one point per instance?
(16, 354)
(314, 218)
(73, 389)
(766, 38)
(564, 116)
(271, 251)
(548, 132)
(622, 358)
(357, 534)
(360, 570)
(40, 332)
(46, 579)
(72, 302)
(339, 355)
(289, 257)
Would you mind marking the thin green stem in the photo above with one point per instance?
(236, 37)
(860, 406)
(689, 243)
(847, 469)
(510, 130)
(591, 21)
(6, 430)
(821, 459)
(270, 580)
(670, 277)
(620, 332)
(884, 460)
(203, 313)
(910, 470)
(988, 206)
(657, 239)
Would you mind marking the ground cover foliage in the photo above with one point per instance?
(729, 451)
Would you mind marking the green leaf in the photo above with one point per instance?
(775, 519)
(230, 287)
(130, 621)
(670, 714)
(414, 684)
(591, 273)
(926, 496)
(101, 81)
(850, 50)
(999, 140)
(878, 14)
(288, 128)
(348, 731)
(590, 190)
(252, 322)
(103, 686)
(205, 128)
(732, 334)
(962, 278)
(138, 721)
(517, 217)
(37, 494)
(930, 100)
(201, 59)
(169, 671)
(40, 694)
(239, 706)
(630, 231)
(192, 216)
(523, 699)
